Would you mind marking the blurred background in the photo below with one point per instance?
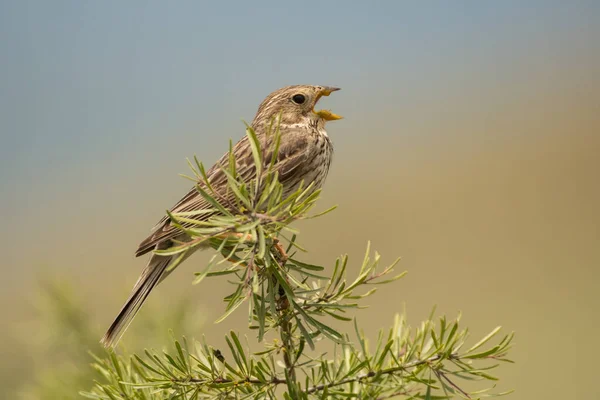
(470, 147)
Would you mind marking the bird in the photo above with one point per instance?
(304, 157)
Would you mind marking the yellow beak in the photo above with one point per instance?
(326, 114)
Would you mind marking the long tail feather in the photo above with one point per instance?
(149, 278)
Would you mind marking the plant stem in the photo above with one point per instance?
(316, 388)
(285, 332)
(285, 315)
(387, 371)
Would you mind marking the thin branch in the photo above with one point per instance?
(371, 374)
(218, 381)
(279, 381)
(285, 328)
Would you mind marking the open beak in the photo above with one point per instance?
(326, 114)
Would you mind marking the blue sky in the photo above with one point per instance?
(82, 80)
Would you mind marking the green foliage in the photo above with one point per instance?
(405, 363)
(64, 331)
(290, 307)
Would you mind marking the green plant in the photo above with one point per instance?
(54, 344)
(289, 306)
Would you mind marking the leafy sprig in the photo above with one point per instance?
(409, 363)
(248, 227)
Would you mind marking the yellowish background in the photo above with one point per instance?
(470, 147)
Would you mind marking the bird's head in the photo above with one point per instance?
(296, 105)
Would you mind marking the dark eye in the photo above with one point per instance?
(298, 98)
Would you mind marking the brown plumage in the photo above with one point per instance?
(304, 155)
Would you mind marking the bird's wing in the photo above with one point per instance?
(292, 153)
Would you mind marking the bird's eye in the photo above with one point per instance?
(298, 98)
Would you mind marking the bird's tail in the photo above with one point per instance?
(150, 277)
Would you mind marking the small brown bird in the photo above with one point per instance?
(304, 155)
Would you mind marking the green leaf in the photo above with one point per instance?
(201, 275)
(256, 153)
(211, 200)
(485, 339)
(305, 334)
(231, 309)
(324, 329)
(302, 265)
